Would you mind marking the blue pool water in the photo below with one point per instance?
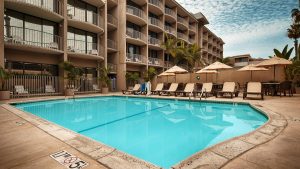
(163, 132)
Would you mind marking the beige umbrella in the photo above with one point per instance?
(252, 68)
(217, 66)
(166, 74)
(203, 71)
(176, 69)
(274, 61)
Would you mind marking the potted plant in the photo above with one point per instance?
(72, 74)
(104, 79)
(131, 78)
(292, 73)
(4, 93)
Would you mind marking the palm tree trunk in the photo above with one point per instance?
(296, 49)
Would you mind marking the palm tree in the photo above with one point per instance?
(286, 53)
(193, 56)
(171, 47)
(294, 33)
(295, 15)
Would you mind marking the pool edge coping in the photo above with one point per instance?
(219, 154)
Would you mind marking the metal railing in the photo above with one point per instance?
(112, 20)
(35, 85)
(156, 22)
(155, 61)
(135, 34)
(50, 5)
(112, 67)
(182, 36)
(84, 85)
(31, 37)
(154, 41)
(111, 44)
(157, 3)
(79, 46)
(170, 12)
(182, 20)
(170, 30)
(136, 58)
(83, 15)
(136, 11)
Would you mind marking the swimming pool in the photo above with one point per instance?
(161, 131)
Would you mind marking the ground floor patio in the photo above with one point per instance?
(24, 145)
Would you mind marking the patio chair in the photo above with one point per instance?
(19, 90)
(159, 88)
(134, 90)
(205, 90)
(171, 90)
(228, 88)
(253, 88)
(189, 88)
(49, 89)
(286, 87)
(96, 88)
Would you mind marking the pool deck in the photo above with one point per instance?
(25, 142)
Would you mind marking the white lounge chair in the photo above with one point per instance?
(19, 90)
(96, 87)
(189, 88)
(205, 90)
(134, 90)
(228, 88)
(254, 88)
(171, 90)
(49, 89)
(159, 88)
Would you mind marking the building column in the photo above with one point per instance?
(2, 33)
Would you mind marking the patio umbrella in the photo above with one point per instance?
(217, 66)
(176, 69)
(252, 68)
(166, 74)
(203, 71)
(274, 61)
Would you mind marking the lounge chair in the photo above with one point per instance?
(19, 90)
(228, 88)
(159, 88)
(134, 90)
(49, 89)
(96, 88)
(189, 88)
(205, 90)
(171, 90)
(253, 88)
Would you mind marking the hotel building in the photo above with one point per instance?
(125, 35)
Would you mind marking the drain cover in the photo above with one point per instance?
(68, 160)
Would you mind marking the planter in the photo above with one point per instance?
(4, 95)
(104, 90)
(69, 92)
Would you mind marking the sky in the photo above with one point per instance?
(252, 27)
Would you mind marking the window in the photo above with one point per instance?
(153, 34)
(31, 68)
(81, 41)
(133, 26)
(153, 54)
(82, 11)
(133, 49)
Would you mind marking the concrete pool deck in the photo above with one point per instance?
(24, 145)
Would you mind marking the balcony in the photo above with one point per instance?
(170, 30)
(154, 43)
(192, 29)
(25, 39)
(156, 6)
(83, 49)
(192, 41)
(155, 24)
(111, 46)
(85, 20)
(111, 3)
(136, 15)
(182, 23)
(51, 10)
(135, 37)
(97, 3)
(170, 15)
(112, 22)
(182, 36)
(135, 59)
(112, 68)
(155, 62)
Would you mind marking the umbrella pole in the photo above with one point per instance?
(274, 71)
(206, 77)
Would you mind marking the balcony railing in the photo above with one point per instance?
(79, 46)
(182, 20)
(111, 44)
(154, 41)
(170, 29)
(135, 11)
(170, 12)
(135, 34)
(112, 67)
(50, 5)
(83, 15)
(154, 61)
(182, 36)
(135, 58)
(25, 36)
(192, 27)
(112, 20)
(168, 64)
(157, 3)
(156, 22)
